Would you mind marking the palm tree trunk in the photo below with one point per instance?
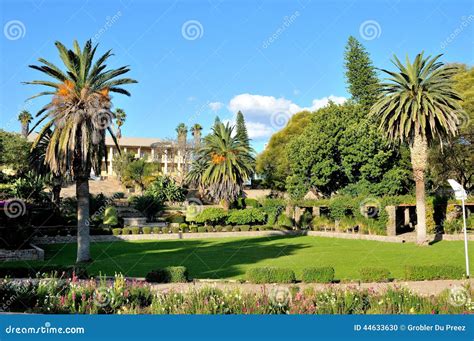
(56, 190)
(419, 156)
(83, 238)
(24, 129)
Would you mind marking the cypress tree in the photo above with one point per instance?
(241, 133)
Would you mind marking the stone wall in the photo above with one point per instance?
(34, 253)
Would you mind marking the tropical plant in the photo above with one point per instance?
(418, 106)
(166, 189)
(120, 117)
(194, 176)
(182, 132)
(196, 130)
(79, 113)
(25, 119)
(140, 173)
(229, 163)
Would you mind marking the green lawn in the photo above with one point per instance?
(231, 257)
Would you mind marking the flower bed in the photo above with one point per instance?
(121, 296)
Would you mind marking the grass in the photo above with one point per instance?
(231, 257)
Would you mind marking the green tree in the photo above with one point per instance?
(418, 107)
(25, 119)
(229, 163)
(120, 117)
(79, 114)
(361, 76)
(14, 152)
(241, 129)
(455, 159)
(140, 173)
(120, 163)
(196, 130)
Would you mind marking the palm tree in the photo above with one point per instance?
(418, 106)
(194, 177)
(25, 118)
(196, 132)
(229, 164)
(182, 131)
(78, 115)
(120, 117)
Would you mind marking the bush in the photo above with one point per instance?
(236, 229)
(324, 274)
(373, 274)
(135, 230)
(244, 228)
(126, 230)
(146, 229)
(175, 229)
(175, 219)
(246, 216)
(305, 220)
(431, 272)
(218, 228)
(251, 202)
(193, 229)
(270, 275)
(147, 205)
(453, 226)
(110, 216)
(183, 226)
(321, 223)
(156, 230)
(284, 220)
(210, 229)
(347, 223)
(227, 228)
(116, 231)
(171, 274)
(202, 229)
(211, 215)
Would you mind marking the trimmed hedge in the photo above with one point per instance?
(126, 231)
(156, 230)
(116, 231)
(135, 230)
(323, 274)
(430, 272)
(202, 229)
(246, 216)
(170, 274)
(146, 229)
(373, 274)
(270, 275)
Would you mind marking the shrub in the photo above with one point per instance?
(347, 223)
(116, 231)
(244, 228)
(110, 216)
(156, 230)
(227, 228)
(175, 219)
(284, 220)
(135, 230)
(183, 226)
(322, 222)
(211, 215)
(218, 228)
(171, 274)
(324, 274)
(270, 275)
(166, 229)
(236, 229)
(147, 205)
(453, 226)
(246, 216)
(431, 272)
(193, 229)
(146, 229)
(249, 202)
(202, 229)
(210, 229)
(373, 274)
(126, 230)
(175, 229)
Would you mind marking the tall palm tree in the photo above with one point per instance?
(418, 106)
(78, 115)
(120, 117)
(196, 132)
(230, 163)
(25, 118)
(194, 177)
(182, 132)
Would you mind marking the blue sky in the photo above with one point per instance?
(198, 59)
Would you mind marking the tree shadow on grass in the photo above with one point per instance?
(204, 258)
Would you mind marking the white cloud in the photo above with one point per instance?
(215, 106)
(322, 102)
